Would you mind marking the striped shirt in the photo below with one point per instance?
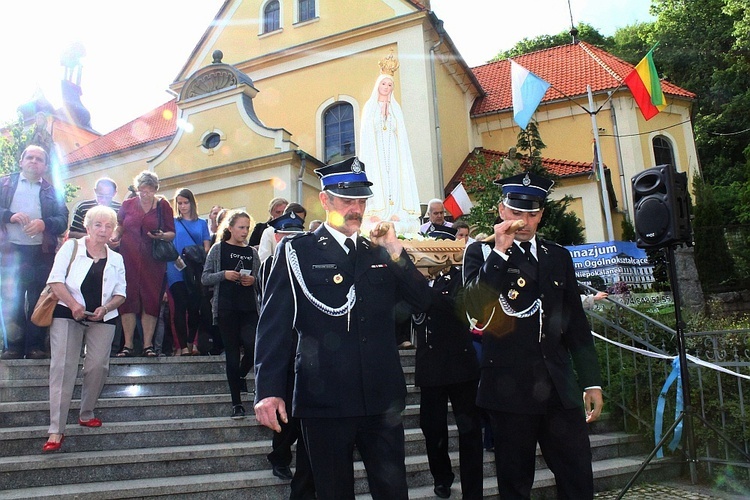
(83, 207)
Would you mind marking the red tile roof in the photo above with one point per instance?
(569, 68)
(559, 168)
(159, 123)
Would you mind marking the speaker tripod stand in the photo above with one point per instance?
(688, 414)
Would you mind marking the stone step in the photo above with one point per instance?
(136, 384)
(262, 485)
(121, 409)
(135, 434)
(69, 467)
(168, 433)
(32, 369)
(181, 457)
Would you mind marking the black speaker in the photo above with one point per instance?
(661, 207)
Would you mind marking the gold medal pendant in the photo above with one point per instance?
(338, 279)
(521, 282)
(512, 294)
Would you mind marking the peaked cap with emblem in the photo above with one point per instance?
(440, 232)
(346, 179)
(287, 223)
(525, 192)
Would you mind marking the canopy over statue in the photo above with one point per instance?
(384, 148)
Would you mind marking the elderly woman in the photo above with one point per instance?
(89, 280)
(138, 221)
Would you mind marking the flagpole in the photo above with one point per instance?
(602, 179)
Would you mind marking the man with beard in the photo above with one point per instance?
(339, 291)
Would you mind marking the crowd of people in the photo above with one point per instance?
(317, 315)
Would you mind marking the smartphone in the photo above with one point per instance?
(155, 232)
(246, 272)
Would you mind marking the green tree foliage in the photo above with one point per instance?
(712, 257)
(628, 231)
(586, 33)
(557, 223)
(14, 138)
(700, 50)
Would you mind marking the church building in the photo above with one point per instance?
(276, 88)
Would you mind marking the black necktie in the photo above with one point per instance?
(526, 245)
(352, 250)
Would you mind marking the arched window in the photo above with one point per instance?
(338, 124)
(271, 17)
(663, 152)
(306, 10)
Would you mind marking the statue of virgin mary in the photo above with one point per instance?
(384, 149)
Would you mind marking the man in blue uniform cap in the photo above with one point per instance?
(338, 291)
(522, 292)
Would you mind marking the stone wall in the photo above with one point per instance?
(728, 303)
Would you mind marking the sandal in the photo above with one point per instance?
(125, 352)
(149, 352)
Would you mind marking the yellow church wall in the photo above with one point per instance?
(238, 141)
(239, 36)
(292, 100)
(453, 108)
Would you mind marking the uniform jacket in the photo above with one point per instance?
(445, 354)
(521, 364)
(345, 365)
(54, 210)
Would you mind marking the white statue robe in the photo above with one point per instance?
(384, 149)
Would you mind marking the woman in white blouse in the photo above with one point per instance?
(90, 292)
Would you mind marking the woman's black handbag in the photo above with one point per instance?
(194, 254)
(194, 257)
(162, 250)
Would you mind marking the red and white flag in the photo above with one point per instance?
(458, 202)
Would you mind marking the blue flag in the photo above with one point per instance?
(528, 91)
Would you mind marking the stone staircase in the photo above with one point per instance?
(167, 433)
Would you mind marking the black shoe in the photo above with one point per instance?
(442, 491)
(10, 354)
(238, 412)
(243, 385)
(283, 472)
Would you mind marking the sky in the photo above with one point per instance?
(135, 49)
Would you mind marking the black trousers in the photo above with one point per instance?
(186, 314)
(303, 485)
(433, 419)
(563, 438)
(380, 441)
(238, 334)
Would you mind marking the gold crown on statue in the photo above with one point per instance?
(388, 65)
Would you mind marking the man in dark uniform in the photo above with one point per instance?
(447, 369)
(338, 291)
(522, 291)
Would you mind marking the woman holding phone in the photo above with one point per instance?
(89, 279)
(231, 268)
(138, 224)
